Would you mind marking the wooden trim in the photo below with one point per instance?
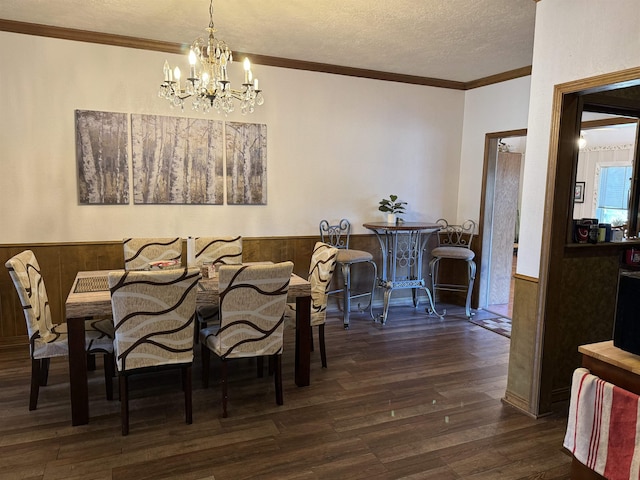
(91, 37)
(522, 132)
(565, 126)
(608, 122)
(177, 48)
(499, 78)
(484, 220)
(526, 278)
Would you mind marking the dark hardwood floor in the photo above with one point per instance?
(418, 398)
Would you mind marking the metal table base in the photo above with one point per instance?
(402, 247)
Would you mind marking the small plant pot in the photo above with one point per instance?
(391, 218)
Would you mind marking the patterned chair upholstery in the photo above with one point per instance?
(323, 262)
(140, 252)
(219, 251)
(338, 236)
(252, 304)
(46, 339)
(454, 243)
(153, 313)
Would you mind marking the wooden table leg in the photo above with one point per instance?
(303, 341)
(78, 372)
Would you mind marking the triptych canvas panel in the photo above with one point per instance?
(175, 160)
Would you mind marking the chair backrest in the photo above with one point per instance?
(153, 314)
(140, 252)
(323, 262)
(455, 235)
(25, 273)
(336, 235)
(218, 250)
(252, 304)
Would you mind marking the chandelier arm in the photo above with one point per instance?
(207, 83)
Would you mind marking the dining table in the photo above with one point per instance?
(90, 297)
(403, 246)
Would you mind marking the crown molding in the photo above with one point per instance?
(498, 78)
(177, 48)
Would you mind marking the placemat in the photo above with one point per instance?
(92, 284)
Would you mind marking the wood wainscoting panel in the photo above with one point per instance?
(60, 263)
(522, 352)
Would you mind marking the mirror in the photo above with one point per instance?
(605, 168)
(608, 160)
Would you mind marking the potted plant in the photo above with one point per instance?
(392, 207)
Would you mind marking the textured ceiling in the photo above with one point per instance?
(458, 40)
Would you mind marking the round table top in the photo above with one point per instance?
(401, 226)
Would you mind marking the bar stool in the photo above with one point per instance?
(454, 242)
(338, 236)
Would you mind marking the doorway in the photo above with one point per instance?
(499, 222)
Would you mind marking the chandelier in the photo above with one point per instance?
(208, 85)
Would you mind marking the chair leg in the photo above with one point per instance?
(311, 339)
(108, 374)
(188, 402)
(260, 366)
(373, 287)
(223, 384)
(35, 383)
(433, 273)
(91, 362)
(323, 352)
(346, 300)
(44, 371)
(472, 277)
(124, 403)
(277, 358)
(205, 356)
(271, 366)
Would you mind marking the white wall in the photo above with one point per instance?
(574, 39)
(336, 146)
(494, 108)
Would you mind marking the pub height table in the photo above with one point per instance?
(403, 245)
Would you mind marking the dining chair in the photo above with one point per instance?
(454, 243)
(47, 339)
(338, 236)
(217, 251)
(252, 304)
(153, 314)
(139, 253)
(323, 262)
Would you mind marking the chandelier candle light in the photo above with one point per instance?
(208, 83)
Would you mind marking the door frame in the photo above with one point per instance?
(485, 230)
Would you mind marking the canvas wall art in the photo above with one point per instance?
(176, 160)
(101, 157)
(246, 155)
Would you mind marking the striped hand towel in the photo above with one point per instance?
(603, 429)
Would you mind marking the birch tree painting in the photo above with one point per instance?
(101, 157)
(246, 150)
(176, 160)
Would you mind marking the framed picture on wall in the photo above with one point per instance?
(578, 194)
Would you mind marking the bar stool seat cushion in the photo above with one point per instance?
(346, 255)
(459, 253)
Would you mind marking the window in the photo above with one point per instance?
(613, 194)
